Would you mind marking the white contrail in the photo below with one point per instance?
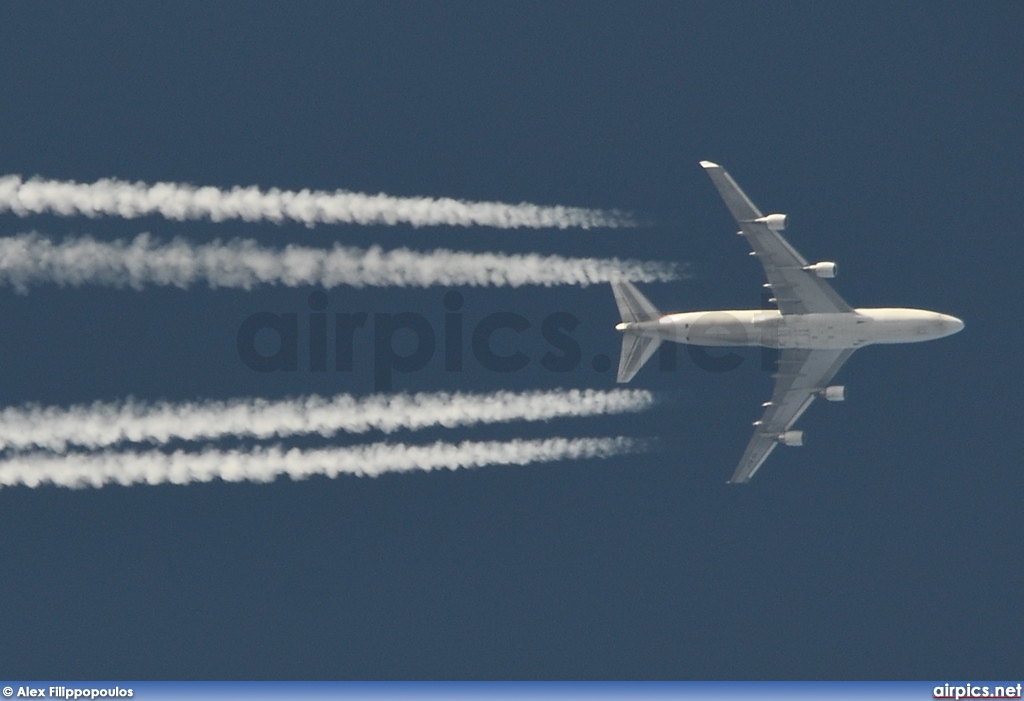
(101, 425)
(182, 202)
(265, 464)
(29, 259)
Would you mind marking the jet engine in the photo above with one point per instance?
(775, 222)
(826, 268)
(835, 393)
(792, 438)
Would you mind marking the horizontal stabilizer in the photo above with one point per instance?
(636, 350)
(633, 306)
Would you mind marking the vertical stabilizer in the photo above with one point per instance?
(636, 348)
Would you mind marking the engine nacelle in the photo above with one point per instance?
(835, 393)
(792, 438)
(775, 222)
(825, 268)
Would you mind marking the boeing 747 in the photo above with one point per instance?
(815, 330)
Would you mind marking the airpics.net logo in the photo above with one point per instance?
(269, 341)
(978, 691)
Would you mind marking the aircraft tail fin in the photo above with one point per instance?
(637, 349)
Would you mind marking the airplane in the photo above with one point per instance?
(815, 330)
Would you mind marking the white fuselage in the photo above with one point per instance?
(767, 327)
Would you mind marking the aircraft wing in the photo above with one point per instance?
(802, 374)
(796, 291)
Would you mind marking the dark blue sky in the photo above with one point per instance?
(890, 546)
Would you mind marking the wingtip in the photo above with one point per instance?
(709, 164)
